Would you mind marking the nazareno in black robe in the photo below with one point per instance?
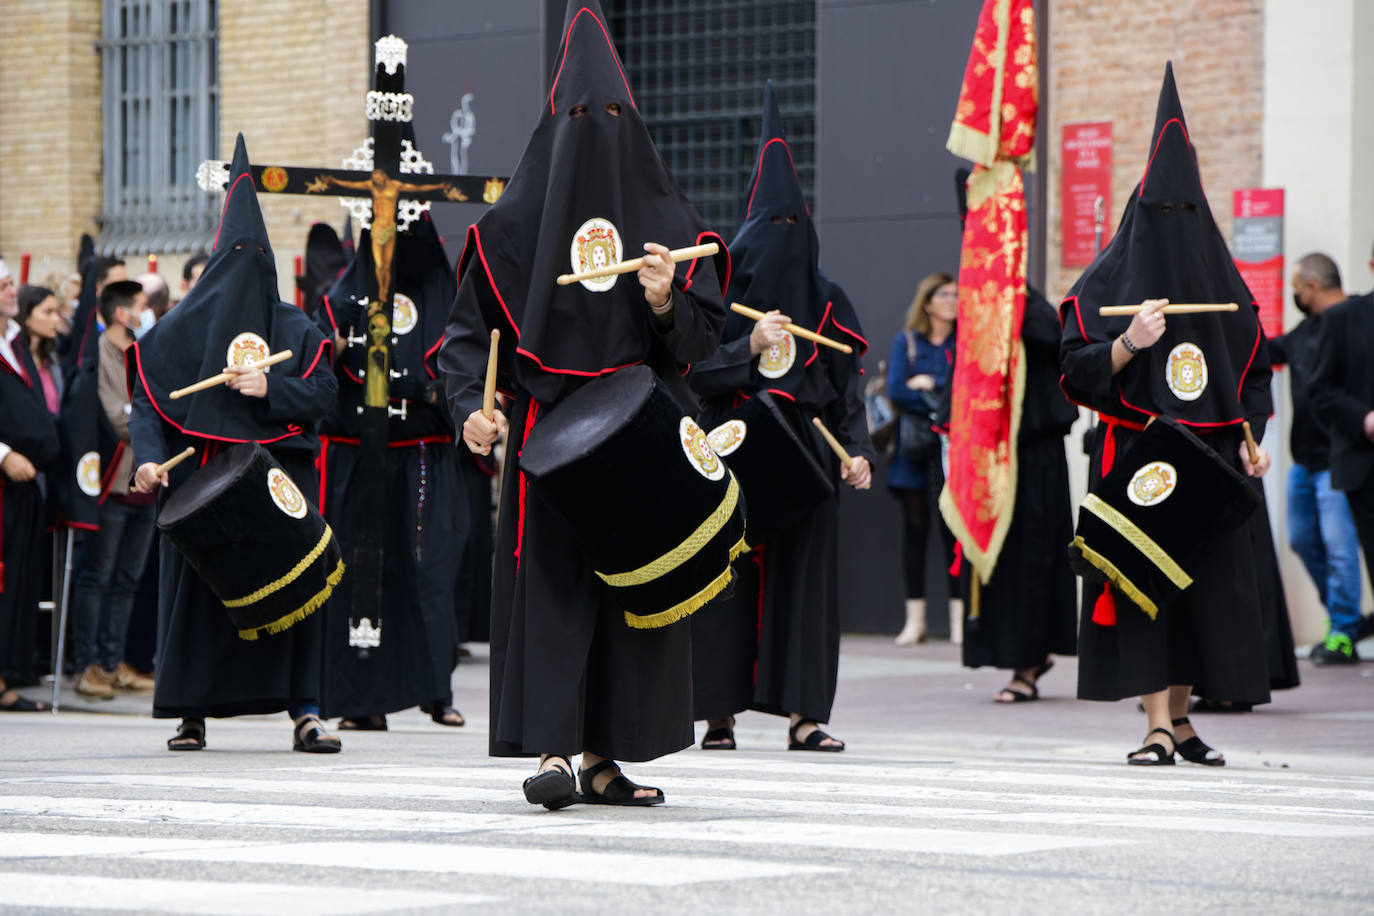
(567, 673)
(426, 526)
(203, 667)
(773, 644)
(28, 428)
(1168, 246)
(1028, 610)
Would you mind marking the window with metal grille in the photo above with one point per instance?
(160, 94)
(698, 67)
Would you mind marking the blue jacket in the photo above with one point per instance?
(932, 360)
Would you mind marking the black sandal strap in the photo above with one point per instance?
(563, 757)
(590, 773)
(1182, 721)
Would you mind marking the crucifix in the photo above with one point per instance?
(386, 169)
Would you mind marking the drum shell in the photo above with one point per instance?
(781, 478)
(268, 567)
(659, 527)
(1208, 501)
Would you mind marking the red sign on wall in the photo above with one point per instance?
(1257, 245)
(1086, 154)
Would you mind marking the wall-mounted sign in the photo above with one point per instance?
(1257, 245)
(1086, 154)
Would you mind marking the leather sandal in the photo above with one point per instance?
(812, 741)
(190, 736)
(619, 791)
(362, 724)
(720, 739)
(310, 737)
(1017, 696)
(438, 711)
(1160, 755)
(1195, 750)
(23, 704)
(553, 788)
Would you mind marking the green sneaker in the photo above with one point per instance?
(1336, 649)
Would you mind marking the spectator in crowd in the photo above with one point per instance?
(158, 296)
(191, 270)
(1342, 392)
(40, 319)
(116, 552)
(918, 371)
(1321, 529)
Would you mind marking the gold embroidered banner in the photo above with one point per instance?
(995, 126)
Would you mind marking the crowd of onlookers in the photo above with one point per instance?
(58, 328)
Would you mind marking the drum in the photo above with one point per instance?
(782, 480)
(1151, 521)
(656, 511)
(249, 532)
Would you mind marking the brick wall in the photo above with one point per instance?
(49, 130)
(293, 75)
(1106, 62)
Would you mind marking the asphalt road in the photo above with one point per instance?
(943, 803)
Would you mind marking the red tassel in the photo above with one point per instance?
(958, 559)
(1104, 609)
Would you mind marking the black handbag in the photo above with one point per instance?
(916, 441)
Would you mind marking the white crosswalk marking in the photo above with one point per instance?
(270, 835)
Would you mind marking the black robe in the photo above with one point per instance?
(1028, 610)
(28, 428)
(203, 667)
(773, 642)
(567, 673)
(426, 528)
(1168, 246)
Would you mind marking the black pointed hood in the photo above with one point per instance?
(589, 182)
(324, 261)
(1168, 246)
(233, 314)
(775, 264)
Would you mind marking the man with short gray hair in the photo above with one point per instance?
(159, 297)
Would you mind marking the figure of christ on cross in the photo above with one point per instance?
(386, 192)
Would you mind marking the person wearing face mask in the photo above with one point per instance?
(116, 551)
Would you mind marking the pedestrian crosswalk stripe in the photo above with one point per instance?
(561, 864)
(31, 890)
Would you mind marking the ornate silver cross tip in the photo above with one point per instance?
(212, 175)
(391, 53)
(365, 635)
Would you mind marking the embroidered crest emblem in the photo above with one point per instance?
(595, 244)
(88, 473)
(1152, 484)
(777, 360)
(274, 178)
(699, 451)
(246, 349)
(285, 493)
(1186, 373)
(727, 437)
(491, 191)
(404, 314)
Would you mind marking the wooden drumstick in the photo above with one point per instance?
(845, 458)
(1173, 308)
(634, 264)
(223, 377)
(489, 393)
(173, 461)
(755, 314)
(1250, 448)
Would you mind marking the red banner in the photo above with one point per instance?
(1086, 154)
(1257, 245)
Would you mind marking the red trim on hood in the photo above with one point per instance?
(230, 194)
(333, 322)
(758, 171)
(138, 362)
(318, 353)
(578, 372)
(108, 480)
(1159, 140)
(609, 46)
(858, 337)
(725, 250)
(424, 360)
(475, 236)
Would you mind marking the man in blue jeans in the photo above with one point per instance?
(1321, 529)
(116, 553)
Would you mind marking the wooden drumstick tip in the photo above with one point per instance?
(489, 391)
(845, 458)
(1250, 448)
(175, 460)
